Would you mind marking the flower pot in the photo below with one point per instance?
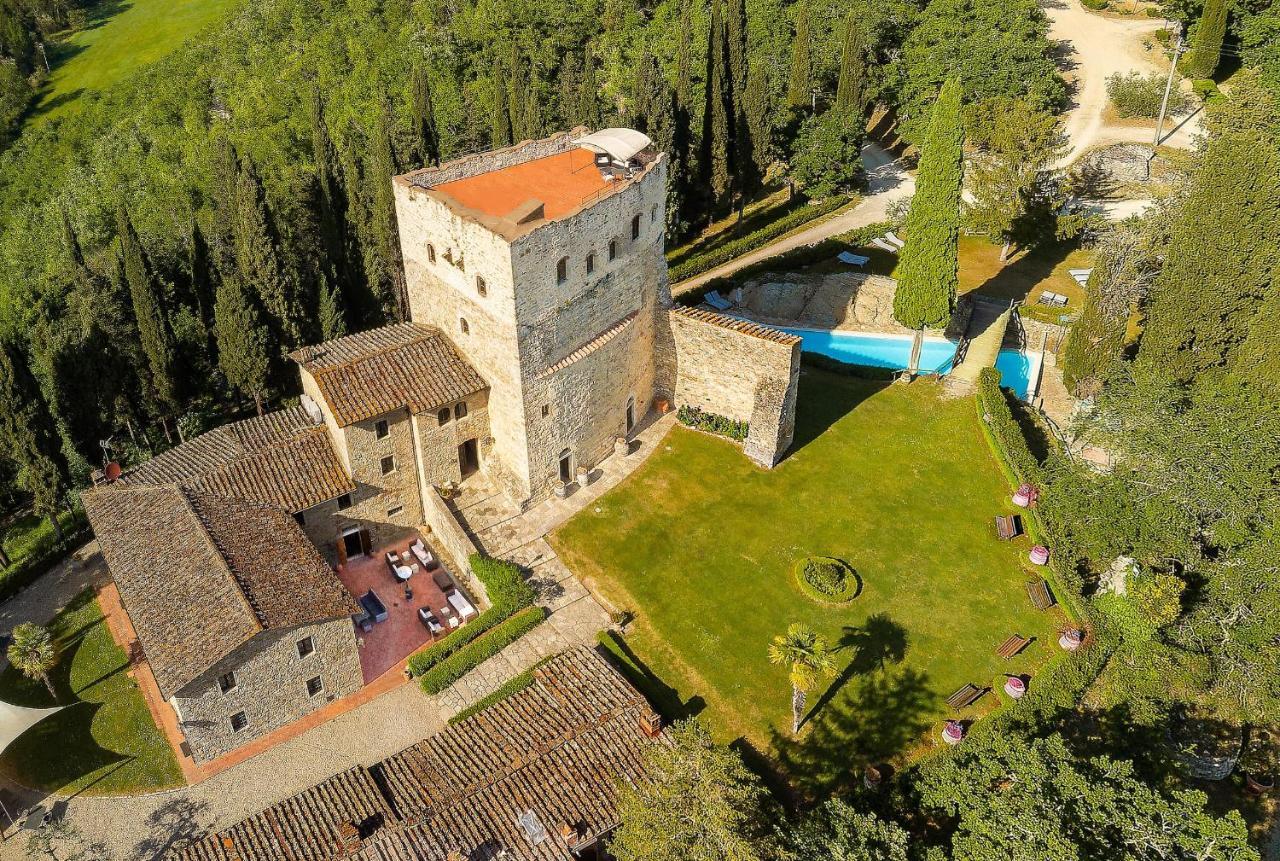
(953, 732)
(584, 476)
(1039, 555)
(1071, 639)
(561, 490)
(871, 777)
(1259, 784)
(621, 446)
(1015, 687)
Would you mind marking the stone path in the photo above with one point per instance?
(986, 331)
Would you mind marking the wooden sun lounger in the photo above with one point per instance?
(1012, 646)
(1008, 526)
(964, 697)
(1041, 597)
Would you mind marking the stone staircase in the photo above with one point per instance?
(985, 335)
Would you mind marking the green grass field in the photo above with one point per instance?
(120, 37)
(104, 742)
(699, 543)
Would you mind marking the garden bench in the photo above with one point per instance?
(1012, 646)
(1041, 597)
(966, 696)
(1008, 526)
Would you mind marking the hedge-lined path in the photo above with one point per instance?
(887, 182)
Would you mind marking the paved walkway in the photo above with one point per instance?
(887, 182)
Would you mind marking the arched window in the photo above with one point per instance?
(481, 287)
(653, 214)
(635, 228)
(443, 416)
(431, 253)
(562, 270)
(462, 324)
(591, 263)
(613, 249)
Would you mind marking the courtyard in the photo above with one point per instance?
(894, 480)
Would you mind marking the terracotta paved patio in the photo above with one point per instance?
(388, 643)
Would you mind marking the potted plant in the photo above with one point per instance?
(584, 476)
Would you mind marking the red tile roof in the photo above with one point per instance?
(371, 373)
(746, 327)
(563, 182)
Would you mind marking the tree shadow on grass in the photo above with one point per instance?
(1017, 279)
(877, 718)
(660, 695)
(825, 398)
(878, 641)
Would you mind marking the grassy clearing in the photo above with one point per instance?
(120, 37)
(104, 742)
(699, 544)
(1025, 275)
(33, 547)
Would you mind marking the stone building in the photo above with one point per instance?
(542, 330)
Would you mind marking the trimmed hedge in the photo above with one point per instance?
(699, 263)
(696, 417)
(481, 649)
(509, 688)
(1005, 428)
(508, 594)
(826, 579)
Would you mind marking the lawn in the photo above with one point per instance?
(699, 544)
(122, 35)
(32, 546)
(1025, 275)
(105, 741)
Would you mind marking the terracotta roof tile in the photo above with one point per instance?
(746, 327)
(199, 574)
(369, 374)
(282, 458)
(557, 748)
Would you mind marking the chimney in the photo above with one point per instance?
(569, 834)
(651, 724)
(531, 210)
(229, 849)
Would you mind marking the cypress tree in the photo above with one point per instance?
(799, 87)
(757, 110)
(1222, 258)
(243, 341)
(422, 113)
(501, 119)
(1206, 44)
(200, 274)
(589, 96)
(850, 98)
(259, 260)
(927, 273)
(736, 37)
(154, 333)
(717, 143)
(534, 127)
(30, 437)
(517, 98)
(680, 173)
(570, 89)
(362, 303)
(385, 231)
(648, 93)
(331, 203)
(333, 322)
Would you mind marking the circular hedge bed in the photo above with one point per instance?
(826, 579)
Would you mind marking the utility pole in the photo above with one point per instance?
(1164, 103)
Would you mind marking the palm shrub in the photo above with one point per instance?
(929, 272)
(34, 653)
(806, 657)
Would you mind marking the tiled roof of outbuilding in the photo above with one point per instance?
(282, 458)
(306, 827)
(556, 749)
(372, 373)
(746, 327)
(200, 573)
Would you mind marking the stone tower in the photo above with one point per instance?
(543, 263)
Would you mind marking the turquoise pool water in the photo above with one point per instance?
(894, 351)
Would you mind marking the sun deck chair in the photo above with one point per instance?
(1076, 273)
(715, 300)
(853, 259)
(423, 555)
(884, 246)
(892, 239)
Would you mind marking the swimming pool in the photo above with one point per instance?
(1017, 370)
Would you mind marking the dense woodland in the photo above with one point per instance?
(164, 247)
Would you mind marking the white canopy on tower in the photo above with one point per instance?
(621, 145)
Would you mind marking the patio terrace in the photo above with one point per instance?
(386, 644)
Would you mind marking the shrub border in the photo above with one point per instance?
(813, 594)
(479, 650)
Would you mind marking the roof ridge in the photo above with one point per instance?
(188, 498)
(424, 329)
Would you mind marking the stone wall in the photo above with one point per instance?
(743, 371)
(271, 685)
(456, 547)
(437, 442)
